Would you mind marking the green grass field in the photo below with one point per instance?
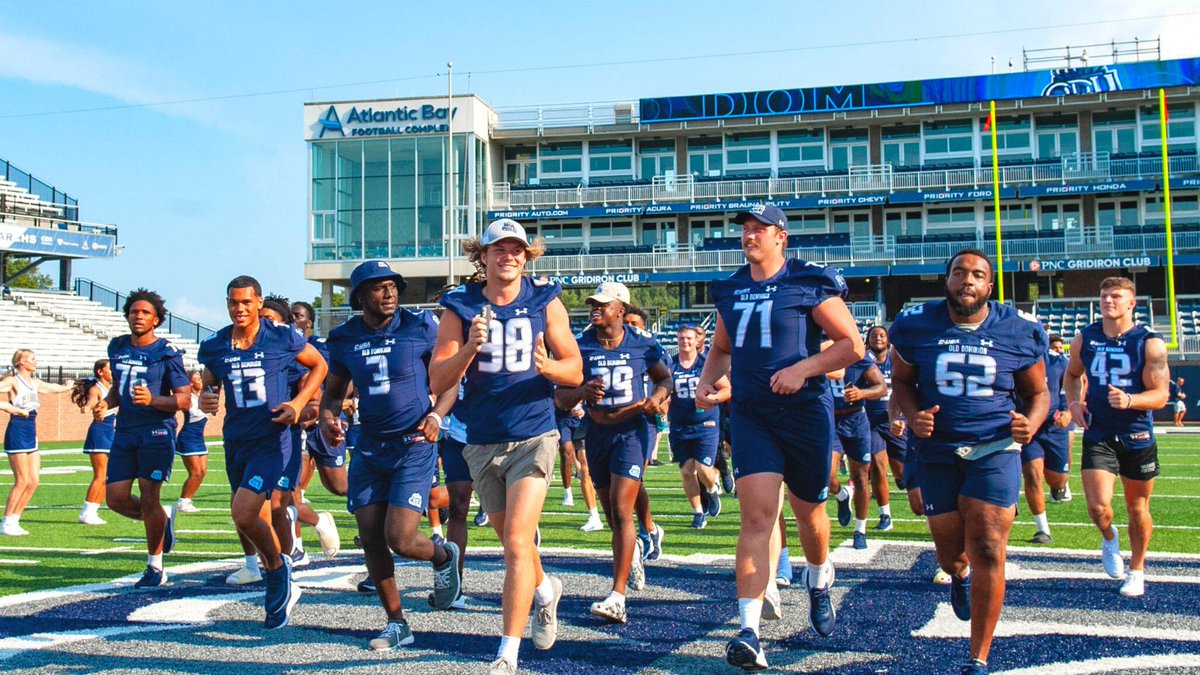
(60, 552)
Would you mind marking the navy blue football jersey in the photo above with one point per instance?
(623, 368)
(389, 368)
(856, 374)
(255, 379)
(505, 398)
(683, 412)
(969, 373)
(158, 366)
(296, 372)
(877, 408)
(1056, 368)
(770, 326)
(1120, 362)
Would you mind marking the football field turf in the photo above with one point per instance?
(61, 552)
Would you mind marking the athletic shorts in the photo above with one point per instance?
(1180, 406)
(567, 428)
(852, 437)
(257, 464)
(700, 444)
(496, 466)
(1126, 457)
(99, 437)
(322, 454)
(1051, 444)
(395, 471)
(142, 453)
(293, 461)
(912, 466)
(21, 434)
(995, 479)
(353, 433)
(882, 440)
(453, 464)
(792, 441)
(190, 441)
(618, 450)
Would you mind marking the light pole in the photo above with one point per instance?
(450, 171)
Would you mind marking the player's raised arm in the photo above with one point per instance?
(452, 355)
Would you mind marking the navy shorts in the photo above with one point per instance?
(190, 441)
(352, 435)
(257, 464)
(21, 434)
(617, 450)
(293, 459)
(882, 440)
(1051, 445)
(792, 441)
(453, 464)
(391, 471)
(100, 437)
(700, 444)
(912, 466)
(142, 453)
(568, 428)
(852, 436)
(995, 479)
(322, 454)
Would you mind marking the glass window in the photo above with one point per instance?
(748, 150)
(901, 146)
(559, 159)
(807, 222)
(705, 157)
(902, 223)
(612, 157)
(801, 147)
(950, 218)
(622, 230)
(948, 139)
(858, 224)
(1181, 127)
(1115, 131)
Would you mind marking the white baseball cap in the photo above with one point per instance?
(505, 228)
(609, 291)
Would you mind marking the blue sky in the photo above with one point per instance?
(205, 190)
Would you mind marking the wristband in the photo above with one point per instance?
(1130, 401)
(434, 414)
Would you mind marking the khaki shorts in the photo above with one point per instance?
(495, 466)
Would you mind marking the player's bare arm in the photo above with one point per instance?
(904, 396)
(566, 368)
(1035, 397)
(336, 388)
(1073, 384)
(452, 355)
(876, 387)
(1156, 377)
(716, 367)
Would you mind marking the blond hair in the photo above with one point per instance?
(474, 250)
(19, 356)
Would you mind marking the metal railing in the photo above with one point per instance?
(38, 188)
(1097, 167)
(178, 325)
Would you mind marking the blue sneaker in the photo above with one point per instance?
(960, 597)
(885, 524)
(714, 504)
(656, 538)
(820, 607)
(727, 482)
(745, 652)
(481, 518)
(647, 542)
(300, 558)
(169, 532)
(282, 595)
(860, 541)
(447, 584)
(699, 521)
(368, 586)
(152, 578)
(974, 667)
(438, 540)
(845, 513)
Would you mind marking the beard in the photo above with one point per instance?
(964, 308)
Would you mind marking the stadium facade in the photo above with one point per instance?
(881, 180)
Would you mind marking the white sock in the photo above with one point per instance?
(1043, 525)
(594, 513)
(252, 563)
(437, 529)
(544, 593)
(819, 576)
(568, 491)
(509, 646)
(784, 559)
(714, 489)
(90, 508)
(697, 510)
(860, 525)
(750, 613)
(843, 494)
(14, 521)
(885, 510)
(155, 560)
(297, 542)
(613, 595)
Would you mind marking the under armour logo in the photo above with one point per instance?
(389, 341)
(771, 289)
(521, 312)
(259, 355)
(986, 343)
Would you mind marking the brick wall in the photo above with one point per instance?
(60, 420)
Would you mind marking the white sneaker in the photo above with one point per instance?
(11, 530)
(593, 524)
(1134, 585)
(1110, 555)
(186, 506)
(941, 578)
(610, 609)
(327, 534)
(568, 498)
(637, 571)
(244, 576)
(772, 609)
(91, 519)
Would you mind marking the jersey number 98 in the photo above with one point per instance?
(509, 346)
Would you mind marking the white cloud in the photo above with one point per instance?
(209, 315)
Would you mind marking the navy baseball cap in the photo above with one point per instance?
(368, 271)
(767, 214)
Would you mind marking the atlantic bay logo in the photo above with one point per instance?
(418, 119)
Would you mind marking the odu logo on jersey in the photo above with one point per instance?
(256, 482)
(415, 499)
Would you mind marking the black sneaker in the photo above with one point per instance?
(366, 585)
(745, 652)
(960, 597)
